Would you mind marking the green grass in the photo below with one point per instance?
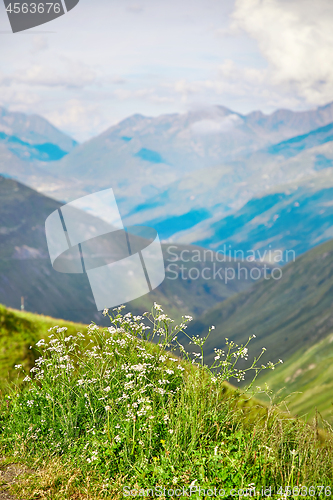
(109, 411)
(19, 331)
(306, 380)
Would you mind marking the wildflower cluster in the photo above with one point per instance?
(110, 383)
(223, 367)
(120, 398)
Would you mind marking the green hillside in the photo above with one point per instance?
(286, 315)
(305, 380)
(18, 331)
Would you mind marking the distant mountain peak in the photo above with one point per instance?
(33, 129)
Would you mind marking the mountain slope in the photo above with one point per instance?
(190, 209)
(25, 268)
(289, 123)
(27, 144)
(295, 145)
(34, 130)
(305, 380)
(285, 314)
(34, 174)
(26, 151)
(296, 217)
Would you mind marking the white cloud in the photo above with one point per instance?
(185, 87)
(76, 118)
(135, 8)
(117, 80)
(232, 83)
(149, 94)
(39, 43)
(19, 99)
(125, 94)
(296, 38)
(210, 126)
(72, 74)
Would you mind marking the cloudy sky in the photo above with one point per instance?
(108, 59)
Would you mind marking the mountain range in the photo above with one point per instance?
(201, 206)
(142, 156)
(211, 177)
(148, 161)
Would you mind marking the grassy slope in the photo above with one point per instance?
(307, 379)
(18, 331)
(193, 296)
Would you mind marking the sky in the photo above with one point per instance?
(108, 59)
